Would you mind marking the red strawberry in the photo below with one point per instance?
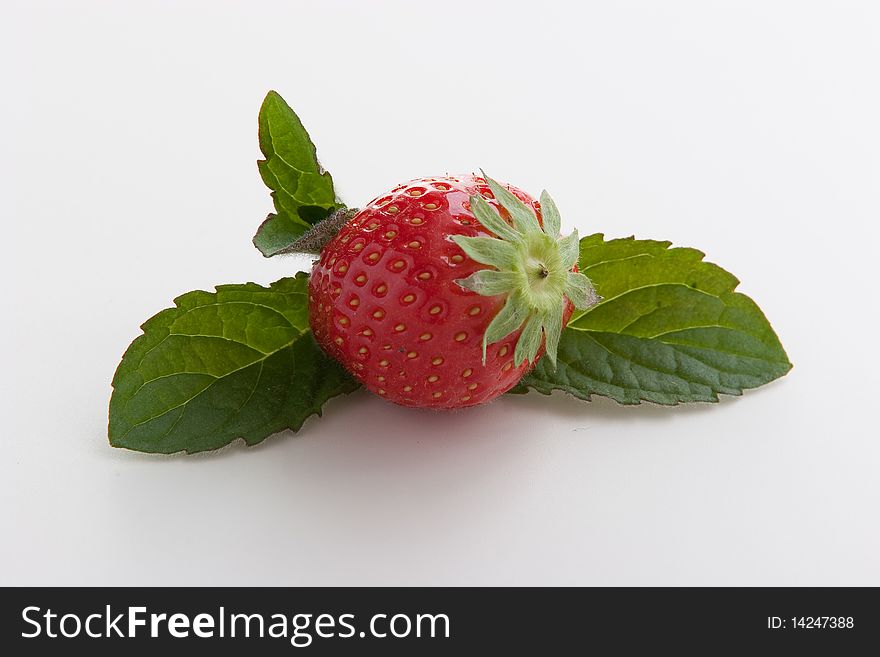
(445, 291)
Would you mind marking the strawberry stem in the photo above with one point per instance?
(316, 238)
(533, 268)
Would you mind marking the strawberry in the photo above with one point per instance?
(445, 291)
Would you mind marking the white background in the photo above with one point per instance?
(747, 129)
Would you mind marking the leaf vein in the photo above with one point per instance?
(228, 374)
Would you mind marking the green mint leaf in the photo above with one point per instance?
(670, 329)
(301, 190)
(240, 362)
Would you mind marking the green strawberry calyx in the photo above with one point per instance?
(532, 266)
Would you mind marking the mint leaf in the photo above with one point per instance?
(301, 190)
(238, 362)
(670, 329)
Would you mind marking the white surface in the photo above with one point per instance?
(748, 130)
